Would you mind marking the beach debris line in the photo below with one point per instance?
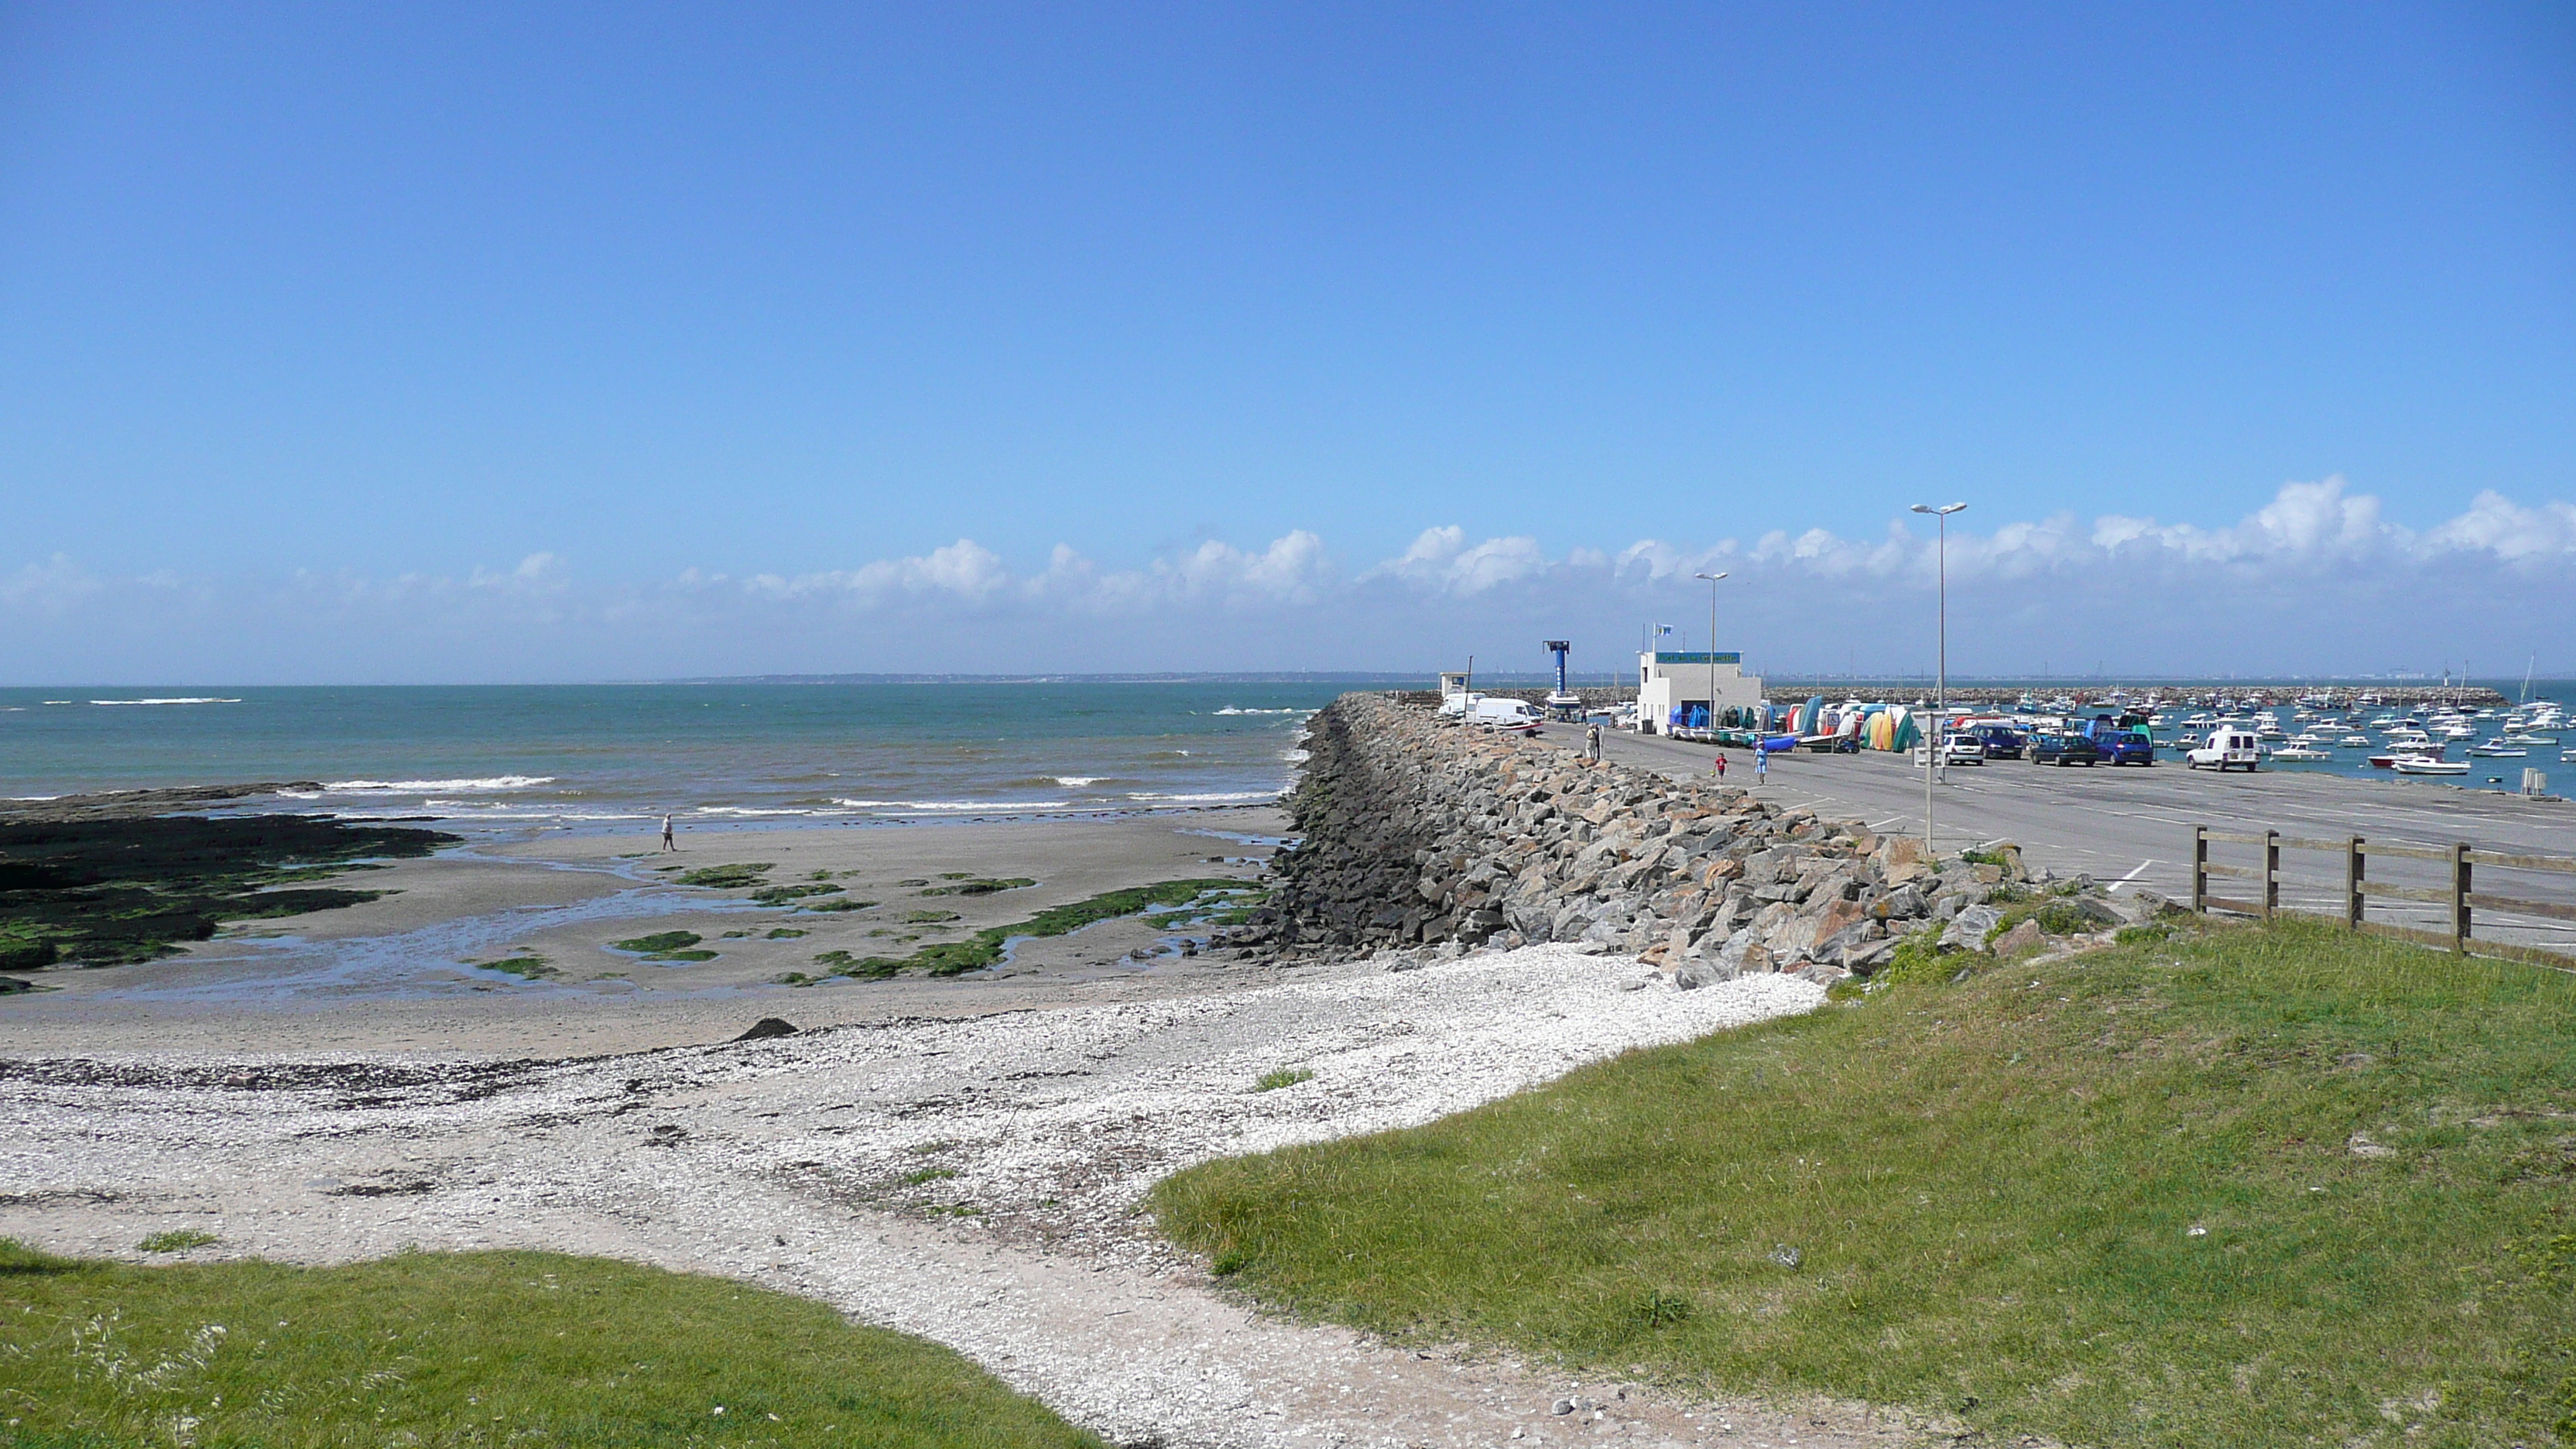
(108, 891)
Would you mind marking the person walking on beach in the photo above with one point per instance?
(1592, 744)
(667, 842)
(1721, 767)
(1761, 766)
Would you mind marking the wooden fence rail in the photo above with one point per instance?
(2458, 896)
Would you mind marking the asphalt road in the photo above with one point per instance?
(2134, 825)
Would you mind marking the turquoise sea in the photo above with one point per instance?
(611, 756)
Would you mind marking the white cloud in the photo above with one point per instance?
(2495, 524)
(1441, 560)
(2318, 564)
(55, 585)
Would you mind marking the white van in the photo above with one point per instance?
(2228, 747)
(1517, 715)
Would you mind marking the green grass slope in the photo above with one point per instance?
(2272, 1185)
(469, 1349)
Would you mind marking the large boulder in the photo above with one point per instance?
(1967, 930)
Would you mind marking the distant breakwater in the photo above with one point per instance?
(1418, 833)
(1603, 696)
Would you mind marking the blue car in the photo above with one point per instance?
(2126, 747)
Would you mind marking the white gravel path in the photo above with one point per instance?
(790, 1161)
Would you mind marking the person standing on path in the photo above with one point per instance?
(1592, 744)
(1721, 767)
(1761, 766)
(667, 842)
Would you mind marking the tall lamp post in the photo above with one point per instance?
(1941, 695)
(1712, 644)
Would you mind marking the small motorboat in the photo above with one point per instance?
(2355, 742)
(2527, 737)
(2427, 765)
(2499, 750)
(2300, 754)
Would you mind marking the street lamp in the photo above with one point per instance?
(1712, 645)
(1941, 696)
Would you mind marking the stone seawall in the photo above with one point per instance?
(1421, 833)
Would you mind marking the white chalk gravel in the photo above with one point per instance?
(974, 1181)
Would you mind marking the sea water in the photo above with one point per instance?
(606, 757)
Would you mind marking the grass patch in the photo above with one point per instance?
(473, 1348)
(983, 948)
(178, 1240)
(920, 1175)
(980, 887)
(2271, 1185)
(727, 877)
(1283, 1077)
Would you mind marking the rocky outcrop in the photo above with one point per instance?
(1423, 833)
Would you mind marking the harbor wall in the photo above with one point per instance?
(1419, 833)
(1604, 696)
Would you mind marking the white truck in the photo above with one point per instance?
(2227, 748)
(1513, 715)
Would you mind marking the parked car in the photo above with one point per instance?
(2228, 749)
(1963, 750)
(2064, 750)
(2126, 747)
(2001, 742)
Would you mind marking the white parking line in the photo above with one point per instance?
(2124, 880)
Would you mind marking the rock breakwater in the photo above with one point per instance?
(1421, 833)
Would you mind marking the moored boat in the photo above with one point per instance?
(2426, 765)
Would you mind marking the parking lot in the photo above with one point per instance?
(2134, 824)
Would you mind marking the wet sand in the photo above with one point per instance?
(391, 976)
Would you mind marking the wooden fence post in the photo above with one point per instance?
(2200, 868)
(2352, 878)
(2460, 899)
(2271, 873)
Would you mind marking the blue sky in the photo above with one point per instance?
(551, 342)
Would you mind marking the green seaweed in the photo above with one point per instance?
(113, 891)
(982, 949)
(526, 965)
(781, 895)
(727, 877)
(783, 933)
(657, 942)
(845, 903)
(984, 887)
(929, 918)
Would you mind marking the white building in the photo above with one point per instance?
(1671, 680)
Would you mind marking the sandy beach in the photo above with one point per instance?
(391, 976)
